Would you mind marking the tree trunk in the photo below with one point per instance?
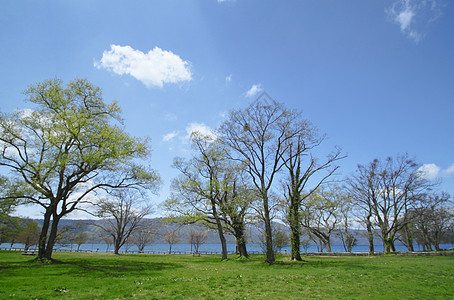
(220, 230)
(370, 235)
(295, 232)
(386, 245)
(327, 243)
(240, 239)
(52, 236)
(43, 236)
(408, 239)
(117, 246)
(268, 232)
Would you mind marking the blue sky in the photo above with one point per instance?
(376, 76)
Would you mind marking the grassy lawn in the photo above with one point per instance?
(105, 276)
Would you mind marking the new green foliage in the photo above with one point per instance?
(68, 146)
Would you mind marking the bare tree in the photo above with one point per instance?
(171, 238)
(259, 136)
(431, 221)
(347, 236)
(197, 238)
(385, 191)
(142, 237)
(122, 214)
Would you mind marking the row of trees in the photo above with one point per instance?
(260, 165)
(71, 152)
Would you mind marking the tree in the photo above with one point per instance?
(321, 213)
(122, 215)
(259, 137)
(302, 166)
(171, 238)
(280, 238)
(142, 237)
(67, 148)
(211, 190)
(198, 185)
(29, 234)
(385, 191)
(431, 221)
(347, 236)
(197, 238)
(80, 238)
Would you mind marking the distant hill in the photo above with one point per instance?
(162, 227)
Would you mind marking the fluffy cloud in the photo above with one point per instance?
(155, 68)
(200, 128)
(432, 171)
(429, 171)
(413, 16)
(254, 90)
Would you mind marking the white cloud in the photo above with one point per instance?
(432, 171)
(200, 128)
(229, 78)
(449, 171)
(429, 171)
(170, 136)
(254, 90)
(413, 16)
(155, 68)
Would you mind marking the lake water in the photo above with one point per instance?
(217, 247)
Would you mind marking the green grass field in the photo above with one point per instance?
(105, 276)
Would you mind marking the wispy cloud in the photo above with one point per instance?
(170, 117)
(155, 68)
(254, 90)
(413, 16)
(229, 78)
(170, 136)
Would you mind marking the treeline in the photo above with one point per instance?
(263, 166)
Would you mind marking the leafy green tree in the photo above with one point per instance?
(29, 234)
(69, 146)
(210, 190)
(303, 170)
(321, 213)
(81, 238)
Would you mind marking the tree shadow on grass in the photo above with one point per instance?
(114, 268)
(94, 267)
